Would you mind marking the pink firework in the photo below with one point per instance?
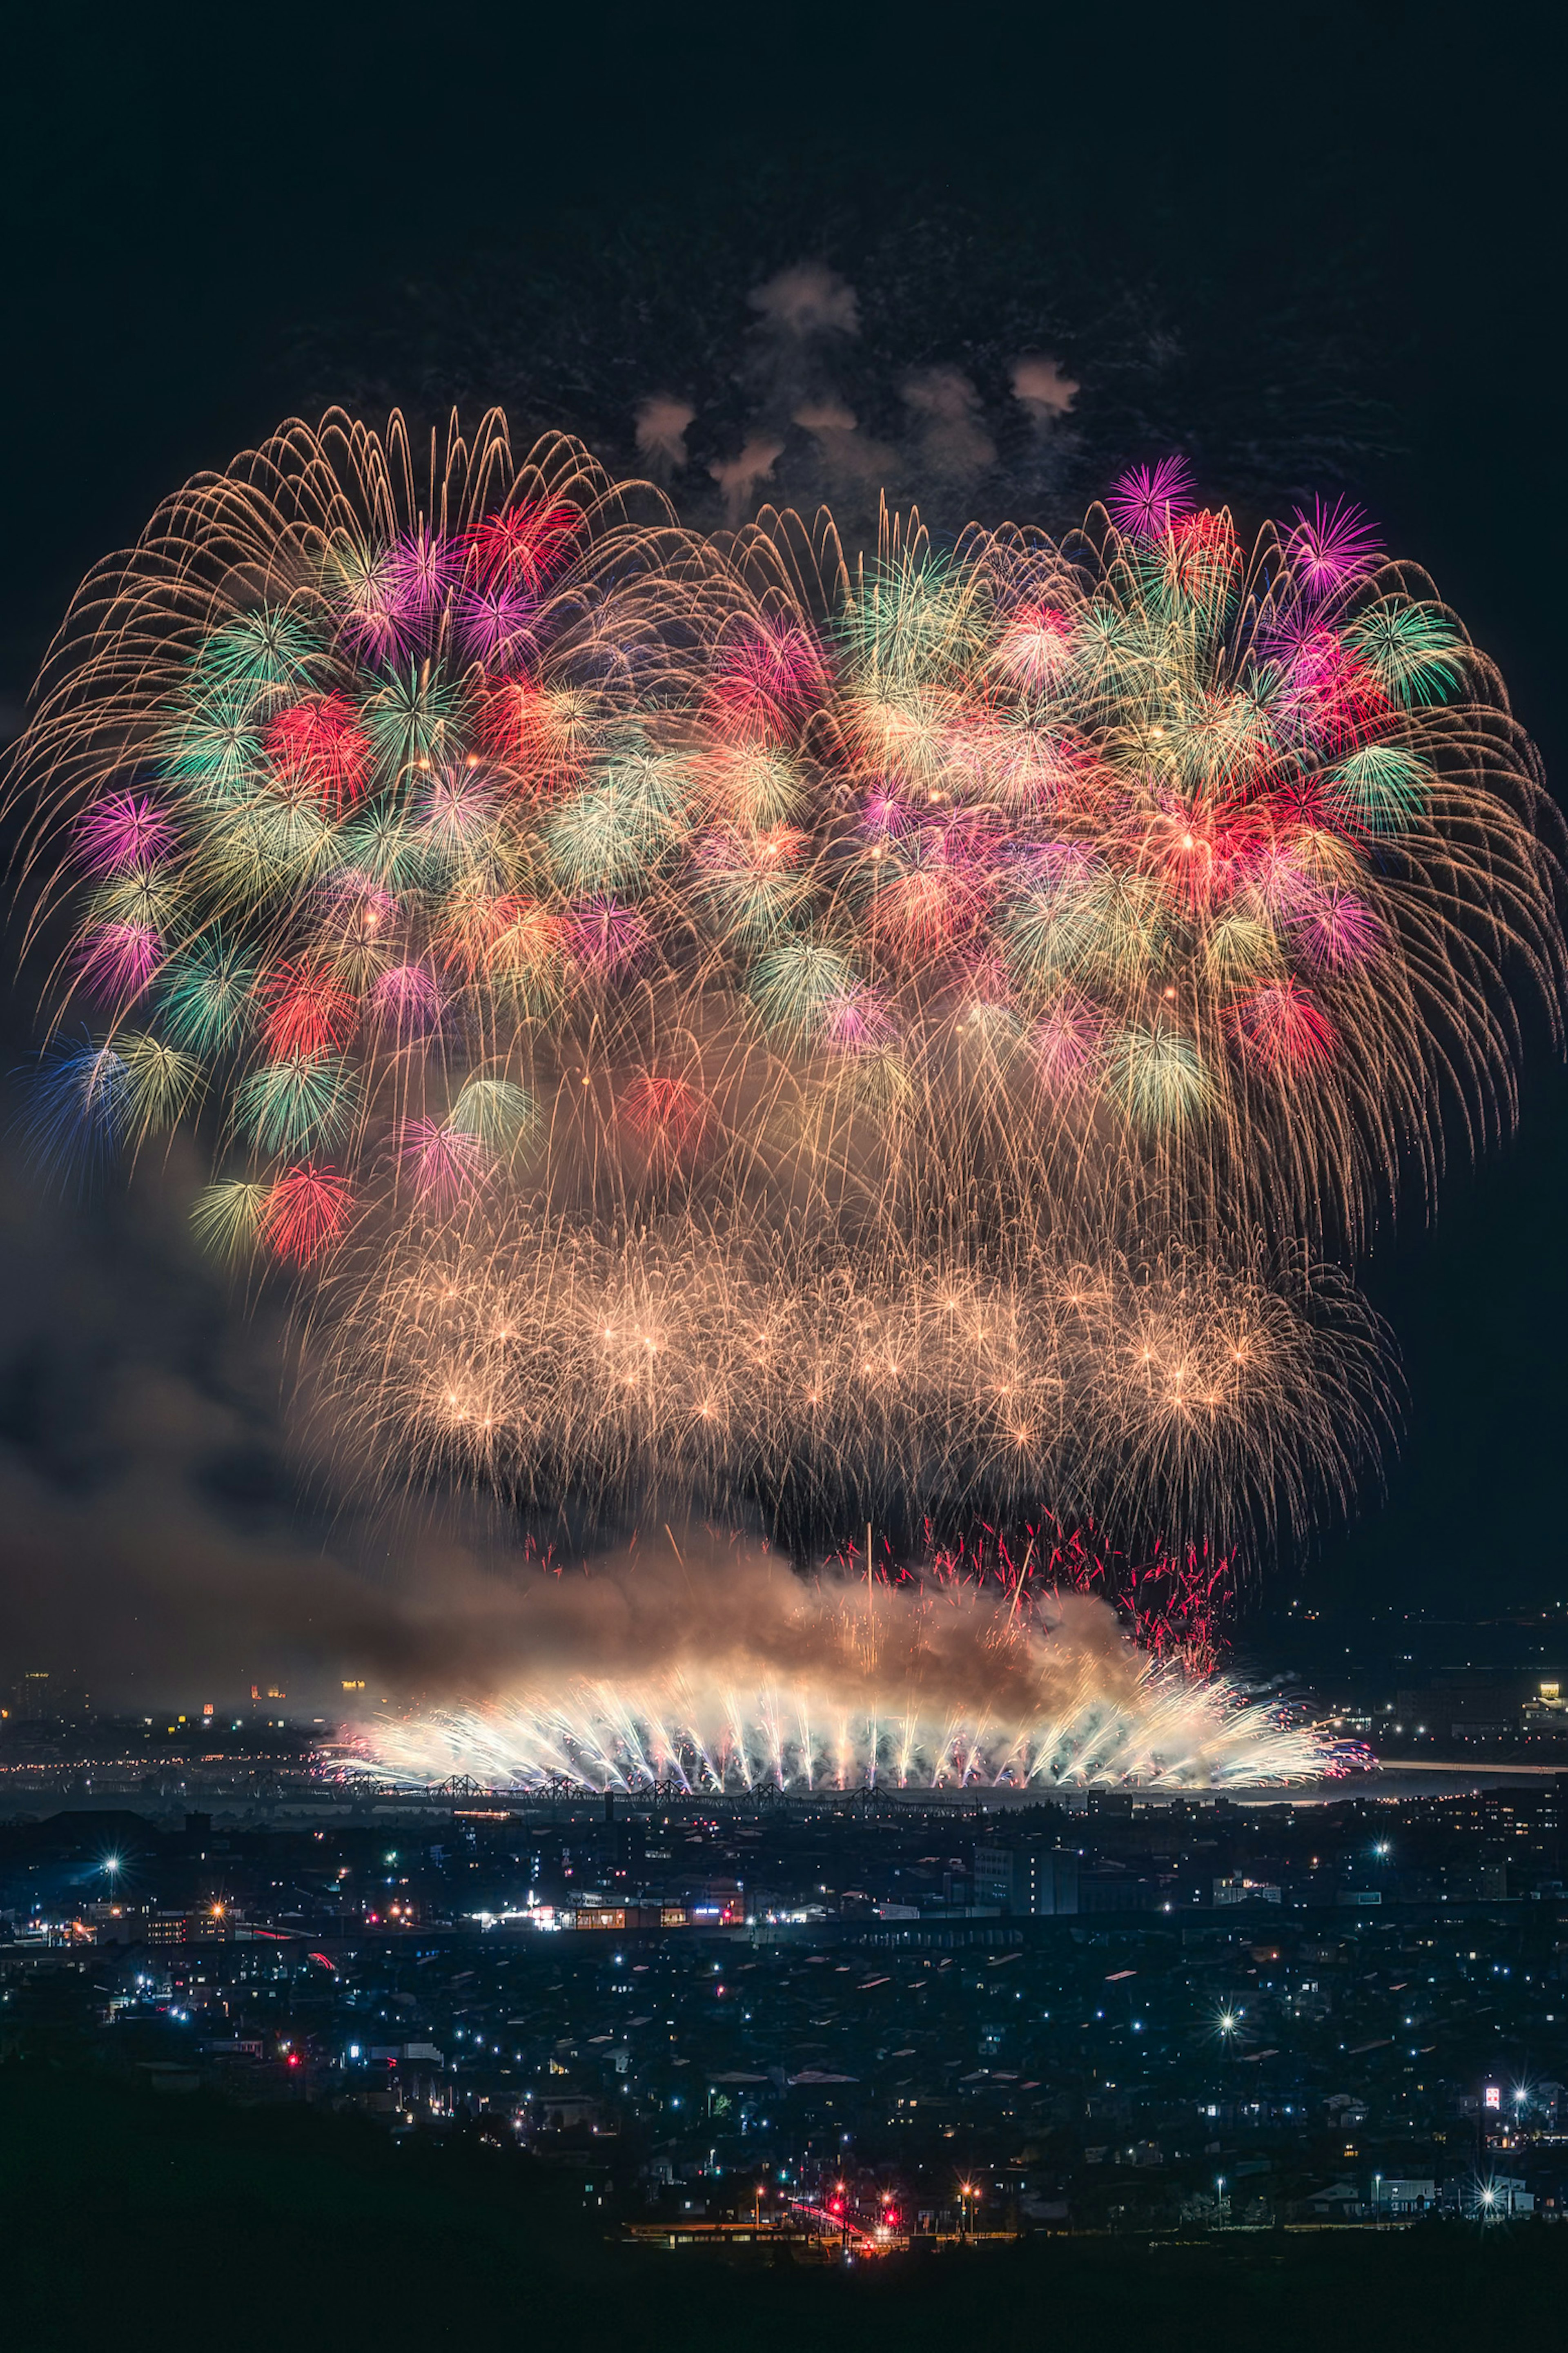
(1341, 929)
(1147, 500)
(492, 620)
(363, 909)
(446, 1163)
(424, 567)
(883, 813)
(1331, 695)
(117, 960)
(121, 830)
(407, 996)
(1066, 1044)
(602, 933)
(857, 1022)
(1331, 547)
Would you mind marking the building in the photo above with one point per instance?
(1034, 1880)
(1402, 2194)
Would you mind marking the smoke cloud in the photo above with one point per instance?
(738, 1615)
(807, 299)
(738, 476)
(848, 455)
(661, 423)
(1042, 389)
(826, 415)
(953, 443)
(723, 1668)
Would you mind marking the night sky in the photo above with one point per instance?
(1319, 254)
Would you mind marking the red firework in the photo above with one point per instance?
(765, 681)
(666, 1115)
(307, 1209)
(1171, 1601)
(1282, 1027)
(315, 745)
(305, 1011)
(523, 547)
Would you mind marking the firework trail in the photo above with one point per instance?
(719, 1020)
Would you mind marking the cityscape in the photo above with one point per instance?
(962, 2016)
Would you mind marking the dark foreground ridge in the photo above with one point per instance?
(131, 2220)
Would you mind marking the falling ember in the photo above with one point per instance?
(118, 960)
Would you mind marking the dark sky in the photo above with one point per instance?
(1341, 231)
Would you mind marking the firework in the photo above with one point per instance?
(685, 1364)
(839, 1686)
(837, 1037)
(1149, 873)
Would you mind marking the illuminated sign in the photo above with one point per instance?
(1493, 2096)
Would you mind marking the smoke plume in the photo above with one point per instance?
(722, 1668)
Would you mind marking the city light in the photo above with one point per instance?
(584, 2036)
